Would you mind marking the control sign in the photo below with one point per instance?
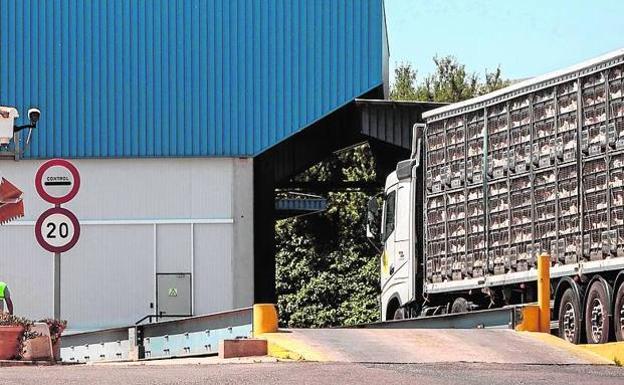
(57, 230)
(57, 181)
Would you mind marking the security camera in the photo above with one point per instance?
(34, 114)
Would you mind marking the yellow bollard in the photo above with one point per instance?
(543, 292)
(529, 319)
(264, 318)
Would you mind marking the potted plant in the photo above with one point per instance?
(13, 330)
(57, 327)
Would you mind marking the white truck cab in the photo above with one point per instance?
(399, 257)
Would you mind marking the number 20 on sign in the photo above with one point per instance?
(57, 230)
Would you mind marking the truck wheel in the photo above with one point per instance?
(618, 314)
(399, 314)
(460, 305)
(597, 314)
(570, 318)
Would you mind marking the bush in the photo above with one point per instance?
(57, 327)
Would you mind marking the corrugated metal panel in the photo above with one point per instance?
(27, 269)
(108, 278)
(141, 189)
(124, 206)
(214, 278)
(309, 204)
(391, 122)
(173, 248)
(183, 78)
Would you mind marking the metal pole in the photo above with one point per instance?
(543, 292)
(57, 285)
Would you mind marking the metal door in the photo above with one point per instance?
(173, 294)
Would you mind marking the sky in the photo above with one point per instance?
(525, 38)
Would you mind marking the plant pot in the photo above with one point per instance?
(56, 350)
(38, 348)
(10, 341)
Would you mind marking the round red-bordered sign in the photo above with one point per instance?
(57, 230)
(71, 180)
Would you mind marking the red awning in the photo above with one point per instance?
(11, 204)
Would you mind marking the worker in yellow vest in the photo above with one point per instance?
(5, 296)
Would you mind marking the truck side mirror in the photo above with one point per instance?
(372, 218)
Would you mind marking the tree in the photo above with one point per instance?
(450, 82)
(404, 87)
(327, 271)
(493, 81)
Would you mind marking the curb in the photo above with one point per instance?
(577, 350)
(12, 363)
(285, 346)
(613, 351)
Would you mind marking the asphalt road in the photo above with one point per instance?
(317, 373)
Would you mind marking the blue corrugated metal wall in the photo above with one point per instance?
(183, 78)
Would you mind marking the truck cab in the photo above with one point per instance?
(398, 235)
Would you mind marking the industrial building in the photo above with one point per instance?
(181, 117)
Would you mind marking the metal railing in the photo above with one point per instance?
(150, 317)
(189, 336)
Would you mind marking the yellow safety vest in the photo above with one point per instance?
(2, 287)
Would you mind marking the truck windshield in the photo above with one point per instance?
(389, 207)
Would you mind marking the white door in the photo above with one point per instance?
(387, 233)
(402, 231)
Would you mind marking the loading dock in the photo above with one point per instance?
(386, 125)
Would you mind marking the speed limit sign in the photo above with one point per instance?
(57, 230)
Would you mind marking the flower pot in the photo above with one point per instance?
(56, 350)
(39, 348)
(10, 341)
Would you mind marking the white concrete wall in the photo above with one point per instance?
(138, 217)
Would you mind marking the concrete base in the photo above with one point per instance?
(12, 363)
(242, 348)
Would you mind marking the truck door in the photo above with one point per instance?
(396, 230)
(402, 231)
(387, 234)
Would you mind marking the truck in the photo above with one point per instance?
(496, 181)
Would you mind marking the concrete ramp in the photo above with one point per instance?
(427, 346)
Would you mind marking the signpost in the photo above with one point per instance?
(57, 229)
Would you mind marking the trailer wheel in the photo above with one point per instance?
(597, 314)
(570, 317)
(460, 305)
(618, 314)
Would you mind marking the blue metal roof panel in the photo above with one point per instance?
(152, 78)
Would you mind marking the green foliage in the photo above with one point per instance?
(327, 271)
(493, 81)
(404, 87)
(450, 82)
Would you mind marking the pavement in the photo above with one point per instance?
(423, 346)
(360, 356)
(316, 373)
